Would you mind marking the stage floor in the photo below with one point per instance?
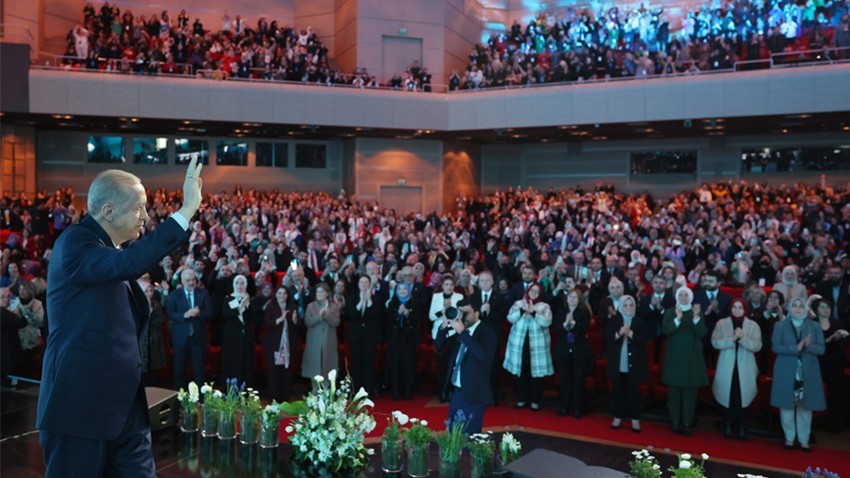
(180, 455)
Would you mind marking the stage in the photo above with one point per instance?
(181, 455)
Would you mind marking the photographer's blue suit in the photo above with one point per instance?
(92, 401)
(474, 395)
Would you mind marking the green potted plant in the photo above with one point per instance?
(417, 439)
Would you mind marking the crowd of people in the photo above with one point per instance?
(743, 279)
(584, 44)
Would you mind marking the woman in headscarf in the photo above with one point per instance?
(321, 319)
(365, 314)
(738, 338)
(280, 342)
(790, 286)
(625, 337)
(528, 354)
(237, 336)
(684, 364)
(572, 352)
(403, 339)
(797, 389)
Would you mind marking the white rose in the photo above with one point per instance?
(288, 429)
(686, 456)
(206, 389)
(402, 419)
(684, 464)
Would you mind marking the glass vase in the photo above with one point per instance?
(269, 434)
(189, 419)
(249, 429)
(417, 460)
(226, 425)
(209, 422)
(499, 467)
(482, 467)
(392, 455)
(450, 469)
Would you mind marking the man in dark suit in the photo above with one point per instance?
(92, 410)
(715, 303)
(651, 308)
(470, 358)
(188, 311)
(493, 314)
(834, 289)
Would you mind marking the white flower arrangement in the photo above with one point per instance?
(328, 435)
(688, 467)
(189, 400)
(644, 465)
(509, 448)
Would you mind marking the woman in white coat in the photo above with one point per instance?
(738, 339)
(441, 302)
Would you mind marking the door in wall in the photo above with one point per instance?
(398, 53)
(403, 199)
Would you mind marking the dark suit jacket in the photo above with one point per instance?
(177, 305)
(724, 302)
(825, 290)
(366, 327)
(92, 367)
(579, 348)
(638, 365)
(654, 316)
(475, 365)
(498, 315)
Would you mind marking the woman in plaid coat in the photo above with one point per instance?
(528, 354)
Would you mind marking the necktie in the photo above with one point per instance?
(190, 297)
(486, 297)
(456, 373)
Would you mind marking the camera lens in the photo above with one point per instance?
(452, 313)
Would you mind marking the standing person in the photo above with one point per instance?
(470, 357)
(572, 352)
(403, 315)
(738, 339)
(322, 319)
(528, 355)
(626, 335)
(832, 361)
(365, 313)
(797, 389)
(188, 312)
(493, 313)
(237, 333)
(440, 303)
(33, 311)
(92, 409)
(280, 343)
(684, 364)
(154, 355)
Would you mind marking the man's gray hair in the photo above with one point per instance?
(110, 187)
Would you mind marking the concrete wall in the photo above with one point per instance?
(462, 30)
(383, 162)
(564, 165)
(62, 161)
(709, 96)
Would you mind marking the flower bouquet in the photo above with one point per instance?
(509, 450)
(250, 409)
(819, 472)
(451, 443)
(481, 448)
(189, 408)
(688, 467)
(228, 407)
(209, 410)
(327, 438)
(417, 438)
(644, 465)
(391, 443)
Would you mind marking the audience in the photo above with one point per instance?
(572, 246)
(593, 43)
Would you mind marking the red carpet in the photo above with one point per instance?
(759, 452)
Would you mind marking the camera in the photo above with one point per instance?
(452, 313)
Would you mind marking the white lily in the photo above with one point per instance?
(318, 378)
(360, 395)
